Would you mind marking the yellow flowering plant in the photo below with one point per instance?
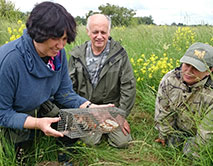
(149, 71)
(15, 33)
(183, 38)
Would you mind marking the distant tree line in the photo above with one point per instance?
(9, 12)
(120, 16)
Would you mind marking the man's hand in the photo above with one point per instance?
(85, 104)
(161, 141)
(101, 106)
(124, 125)
(126, 128)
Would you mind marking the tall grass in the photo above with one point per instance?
(4, 36)
(153, 50)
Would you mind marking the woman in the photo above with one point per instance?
(33, 69)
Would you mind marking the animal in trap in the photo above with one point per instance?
(82, 122)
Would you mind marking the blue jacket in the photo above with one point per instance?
(26, 82)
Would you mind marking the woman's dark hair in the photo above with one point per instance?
(50, 20)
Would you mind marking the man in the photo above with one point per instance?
(101, 72)
(185, 100)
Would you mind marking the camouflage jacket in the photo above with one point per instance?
(184, 109)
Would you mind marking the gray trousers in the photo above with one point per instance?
(17, 136)
(116, 138)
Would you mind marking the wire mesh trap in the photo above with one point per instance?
(76, 123)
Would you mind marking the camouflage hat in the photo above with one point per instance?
(199, 55)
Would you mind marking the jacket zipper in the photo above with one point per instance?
(110, 60)
(87, 73)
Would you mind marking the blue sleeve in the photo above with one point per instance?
(65, 95)
(8, 116)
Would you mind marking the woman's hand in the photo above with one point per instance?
(44, 124)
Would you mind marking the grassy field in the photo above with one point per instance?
(153, 51)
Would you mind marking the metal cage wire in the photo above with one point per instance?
(82, 122)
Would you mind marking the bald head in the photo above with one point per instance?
(98, 29)
(99, 19)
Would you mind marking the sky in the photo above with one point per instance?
(189, 12)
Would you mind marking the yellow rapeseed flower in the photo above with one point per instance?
(152, 58)
(23, 26)
(19, 22)
(139, 60)
(13, 37)
(143, 71)
(163, 71)
(145, 64)
(20, 30)
(18, 36)
(138, 79)
(142, 55)
(9, 29)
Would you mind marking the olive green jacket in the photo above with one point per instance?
(183, 108)
(116, 83)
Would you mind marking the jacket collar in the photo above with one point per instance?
(79, 51)
(34, 64)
